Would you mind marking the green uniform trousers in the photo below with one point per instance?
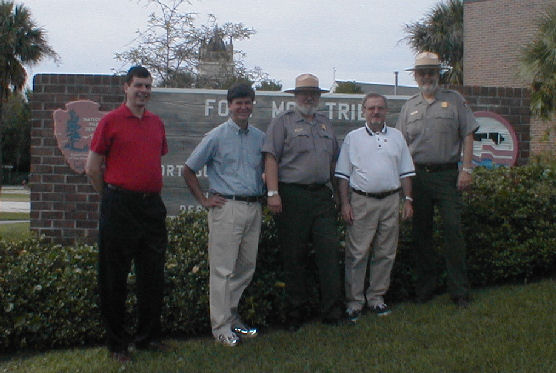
(309, 215)
(439, 189)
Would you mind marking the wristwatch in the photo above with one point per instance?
(408, 198)
(468, 170)
(272, 193)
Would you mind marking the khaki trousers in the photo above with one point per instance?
(376, 225)
(233, 242)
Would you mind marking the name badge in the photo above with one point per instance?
(445, 104)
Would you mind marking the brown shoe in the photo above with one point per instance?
(122, 357)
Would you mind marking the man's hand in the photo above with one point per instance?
(464, 180)
(274, 204)
(407, 212)
(213, 201)
(347, 213)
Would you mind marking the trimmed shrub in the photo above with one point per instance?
(510, 224)
(49, 297)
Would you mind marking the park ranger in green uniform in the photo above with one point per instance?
(437, 125)
(300, 157)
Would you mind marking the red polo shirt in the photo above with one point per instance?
(133, 148)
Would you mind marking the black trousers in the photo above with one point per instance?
(310, 216)
(132, 227)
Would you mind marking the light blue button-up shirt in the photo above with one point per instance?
(233, 157)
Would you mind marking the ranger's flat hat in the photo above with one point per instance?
(306, 82)
(426, 60)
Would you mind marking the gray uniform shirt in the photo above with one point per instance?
(434, 132)
(304, 150)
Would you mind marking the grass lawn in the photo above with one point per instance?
(14, 197)
(506, 329)
(14, 216)
(15, 231)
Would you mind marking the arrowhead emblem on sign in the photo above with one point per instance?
(74, 128)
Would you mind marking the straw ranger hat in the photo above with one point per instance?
(306, 82)
(426, 60)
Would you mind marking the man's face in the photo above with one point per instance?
(375, 110)
(240, 109)
(427, 79)
(138, 91)
(307, 102)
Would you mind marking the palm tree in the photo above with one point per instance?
(539, 67)
(21, 43)
(441, 32)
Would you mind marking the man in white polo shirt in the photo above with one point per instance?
(374, 165)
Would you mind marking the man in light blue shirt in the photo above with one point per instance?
(232, 153)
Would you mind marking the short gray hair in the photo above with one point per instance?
(374, 95)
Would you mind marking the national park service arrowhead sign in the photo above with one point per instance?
(74, 128)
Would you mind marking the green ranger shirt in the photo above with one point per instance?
(434, 132)
(304, 150)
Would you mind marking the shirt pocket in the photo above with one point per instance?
(229, 154)
(414, 125)
(326, 143)
(254, 158)
(444, 121)
(301, 141)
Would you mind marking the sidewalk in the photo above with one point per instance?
(11, 206)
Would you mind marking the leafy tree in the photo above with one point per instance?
(169, 47)
(348, 87)
(268, 85)
(21, 43)
(441, 32)
(539, 67)
(16, 132)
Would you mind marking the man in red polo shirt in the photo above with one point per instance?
(124, 168)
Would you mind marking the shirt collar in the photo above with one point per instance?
(237, 128)
(371, 133)
(300, 118)
(128, 112)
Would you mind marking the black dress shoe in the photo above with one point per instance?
(335, 321)
(294, 324)
(462, 302)
(155, 346)
(122, 357)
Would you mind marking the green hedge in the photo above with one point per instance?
(48, 294)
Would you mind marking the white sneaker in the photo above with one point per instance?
(230, 340)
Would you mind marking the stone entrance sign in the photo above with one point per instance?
(74, 128)
(190, 113)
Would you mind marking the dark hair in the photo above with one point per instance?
(136, 71)
(240, 90)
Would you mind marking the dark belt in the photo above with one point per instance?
(377, 195)
(243, 198)
(310, 187)
(131, 193)
(435, 167)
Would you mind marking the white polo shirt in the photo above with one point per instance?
(374, 162)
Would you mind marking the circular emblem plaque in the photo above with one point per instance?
(495, 142)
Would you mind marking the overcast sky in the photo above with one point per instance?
(357, 39)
